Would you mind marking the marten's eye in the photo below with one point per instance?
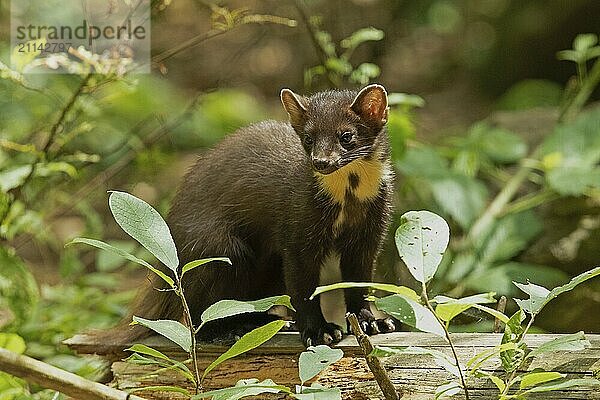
(308, 140)
(346, 137)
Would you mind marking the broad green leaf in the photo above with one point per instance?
(247, 342)
(447, 390)
(562, 385)
(161, 388)
(537, 378)
(19, 292)
(531, 93)
(584, 41)
(421, 239)
(423, 162)
(447, 312)
(317, 392)
(536, 302)
(122, 253)
(13, 177)
(315, 359)
(499, 144)
(386, 287)
(149, 351)
(572, 342)
(441, 359)
(144, 224)
(228, 308)
(243, 388)
(411, 313)
(537, 296)
(361, 36)
(573, 180)
(193, 264)
(13, 342)
(173, 330)
(462, 197)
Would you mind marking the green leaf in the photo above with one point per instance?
(572, 342)
(447, 390)
(247, 342)
(531, 93)
(421, 239)
(475, 362)
(423, 162)
(47, 169)
(13, 177)
(228, 308)
(386, 287)
(364, 73)
(441, 359)
(13, 342)
(173, 330)
(462, 197)
(243, 388)
(315, 359)
(573, 180)
(149, 351)
(161, 388)
(498, 144)
(540, 296)
(562, 385)
(513, 331)
(193, 264)
(144, 224)
(411, 313)
(317, 392)
(448, 308)
(122, 253)
(361, 36)
(585, 41)
(19, 292)
(537, 378)
(404, 99)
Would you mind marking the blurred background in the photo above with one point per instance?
(480, 96)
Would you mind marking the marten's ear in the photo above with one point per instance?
(295, 106)
(371, 105)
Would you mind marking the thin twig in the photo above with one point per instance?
(313, 37)
(500, 307)
(190, 323)
(583, 94)
(447, 334)
(381, 376)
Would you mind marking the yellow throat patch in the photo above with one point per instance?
(370, 173)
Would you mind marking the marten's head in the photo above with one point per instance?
(338, 128)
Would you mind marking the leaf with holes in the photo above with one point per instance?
(421, 240)
(315, 359)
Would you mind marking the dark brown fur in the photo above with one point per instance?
(256, 199)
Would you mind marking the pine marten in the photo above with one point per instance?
(278, 198)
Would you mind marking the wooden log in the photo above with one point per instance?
(416, 375)
(57, 379)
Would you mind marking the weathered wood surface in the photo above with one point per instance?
(416, 375)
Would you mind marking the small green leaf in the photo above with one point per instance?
(149, 351)
(386, 287)
(247, 342)
(193, 264)
(13, 177)
(440, 358)
(404, 99)
(573, 342)
(243, 388)
(317, 392)
(562, 385)
(447, 390)
(411, 313)
(144, 224)
(316, 359)
(173, 330)
(228, 308)
(161, 388)
(513, 331)
(122, 253)
(421, 239)
(584, 41)
(361, 36)
(537, 378)
(13, 342)
(475, 362)
(448, 308)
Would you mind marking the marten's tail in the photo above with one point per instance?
(152, 302)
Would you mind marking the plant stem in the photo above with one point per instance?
(530, 201)
(190, 324)
(521, 340)
(447, 334)
(577, 102)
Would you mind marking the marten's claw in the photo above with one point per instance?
(326, 334)
(372, 326)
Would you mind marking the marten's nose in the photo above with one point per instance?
(322, 164)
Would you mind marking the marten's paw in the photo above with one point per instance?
(371, 325)
(326, 333)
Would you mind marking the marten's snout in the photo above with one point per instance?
(324, 165)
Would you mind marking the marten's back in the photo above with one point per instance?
(245, 183)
